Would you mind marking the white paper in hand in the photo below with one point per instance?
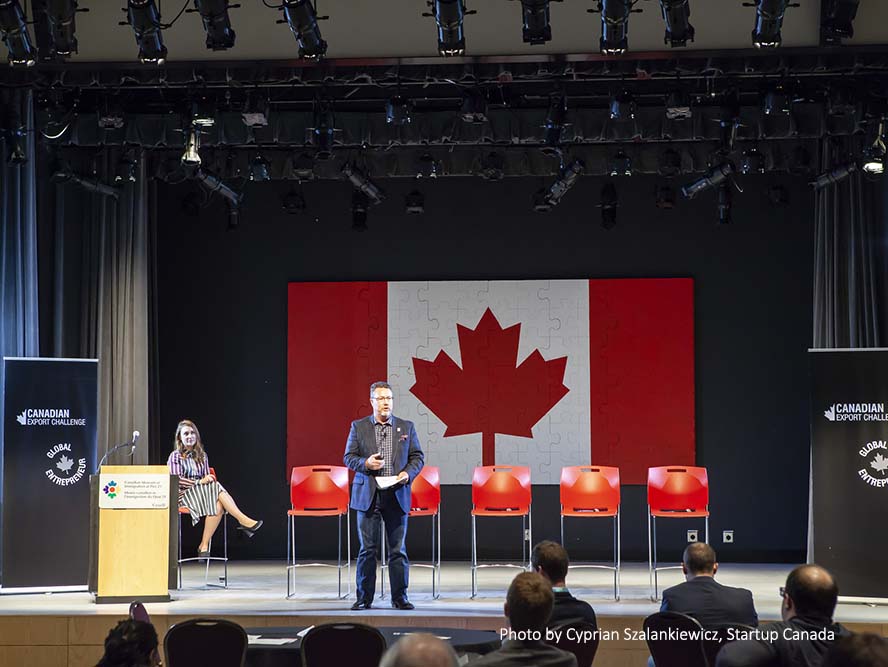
(386, 482)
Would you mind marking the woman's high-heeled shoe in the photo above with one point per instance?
(252, 530)
(202, 556)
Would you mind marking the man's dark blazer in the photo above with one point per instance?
(569, 608)
(710, 602)
(407, 457)
(516, 653)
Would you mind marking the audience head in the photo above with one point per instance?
(131, 644)
(810, 591)
(550, 560)
(858, 650)
(419, 650)
(698, 560)
(529, 602)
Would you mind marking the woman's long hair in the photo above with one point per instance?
(197, 452)
(130, 644)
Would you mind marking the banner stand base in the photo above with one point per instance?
(126, 599)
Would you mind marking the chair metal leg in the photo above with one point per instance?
(529, 535)
(524, 541)
(436, 554)
(179, 561)
(650, 556)
(562, 526)
(291, 553)
(707, 530)
(348, 554)
(474, 560)
(656, 563)
(617, 553)
(339, 556)
(225, 549)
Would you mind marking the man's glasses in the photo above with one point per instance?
(382, 398)
(782, 591)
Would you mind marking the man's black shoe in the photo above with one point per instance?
(361, 605)
(404, 604)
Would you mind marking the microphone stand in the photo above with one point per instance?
(112, 450)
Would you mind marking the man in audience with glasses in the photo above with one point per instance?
(806, 632)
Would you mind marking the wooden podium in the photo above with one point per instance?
(133, 534)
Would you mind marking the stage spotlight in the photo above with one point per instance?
(474, 107)
(840, 103)
(546, 199)
(449, 16)
(125, 172)
(302, 18)
(256, 111)
(838, 20)
(752, 162)
(259, 169)
(608, 205)
(426, 166)
(233, 217)
(493, 167)
(302, 167)
(776, 102)
(110, 114)
(191, 156)
(836, 175)
(14, 33)
(203, 112)
(360, 204)
(414, 203)
(676, 16)
(799, 161)
(724, 203)
(293, 202)
(321, 135)
(620, 164)
(622, 107)
(143, 17)
(63, 174)
(873, 161)
(213, 183)
(397, 111)
(678, 106)
(665, 197)
(363, 184)
(714, 177)
(554, 125)
(669, 163)
(768, 23)
(60, 16)
(614, 26)
(535, 18)
(216, 23)
(16, 148)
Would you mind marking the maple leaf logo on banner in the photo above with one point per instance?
(490, 394)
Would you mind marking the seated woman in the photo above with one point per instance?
(131, 644)
(198, 489)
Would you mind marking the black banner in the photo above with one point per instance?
(849, 449)
(49, 450)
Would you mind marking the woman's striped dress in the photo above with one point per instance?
(200, 499)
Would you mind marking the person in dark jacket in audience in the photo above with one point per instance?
(550, 559)
(131, 643)
(865, 649)
(528, 607)
(806, 632)
(702, 597)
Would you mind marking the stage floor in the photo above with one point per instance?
(259, 588)
(68, 629)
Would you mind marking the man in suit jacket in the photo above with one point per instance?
(528, 607)
(702, 597)
(382, 445)
(550, 560)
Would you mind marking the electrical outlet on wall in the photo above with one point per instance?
(692, 536)
(728, 536)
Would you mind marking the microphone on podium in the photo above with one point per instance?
(131, 445)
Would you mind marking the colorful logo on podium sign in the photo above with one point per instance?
(110, 489)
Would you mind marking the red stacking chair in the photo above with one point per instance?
(501, 491)
(183, 511)
(593, 492)
(425, 500)
(318, 491)
(674, 492)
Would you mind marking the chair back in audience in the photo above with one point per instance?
(582, 640)
(713, 646)
(675, 653)
(205, 641)
(347, 644)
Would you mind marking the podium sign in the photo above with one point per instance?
(49, 448)
(849, 456)
(133, 491)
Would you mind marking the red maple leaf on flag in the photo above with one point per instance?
(490, 394)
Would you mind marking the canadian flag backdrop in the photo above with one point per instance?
(543, 373)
